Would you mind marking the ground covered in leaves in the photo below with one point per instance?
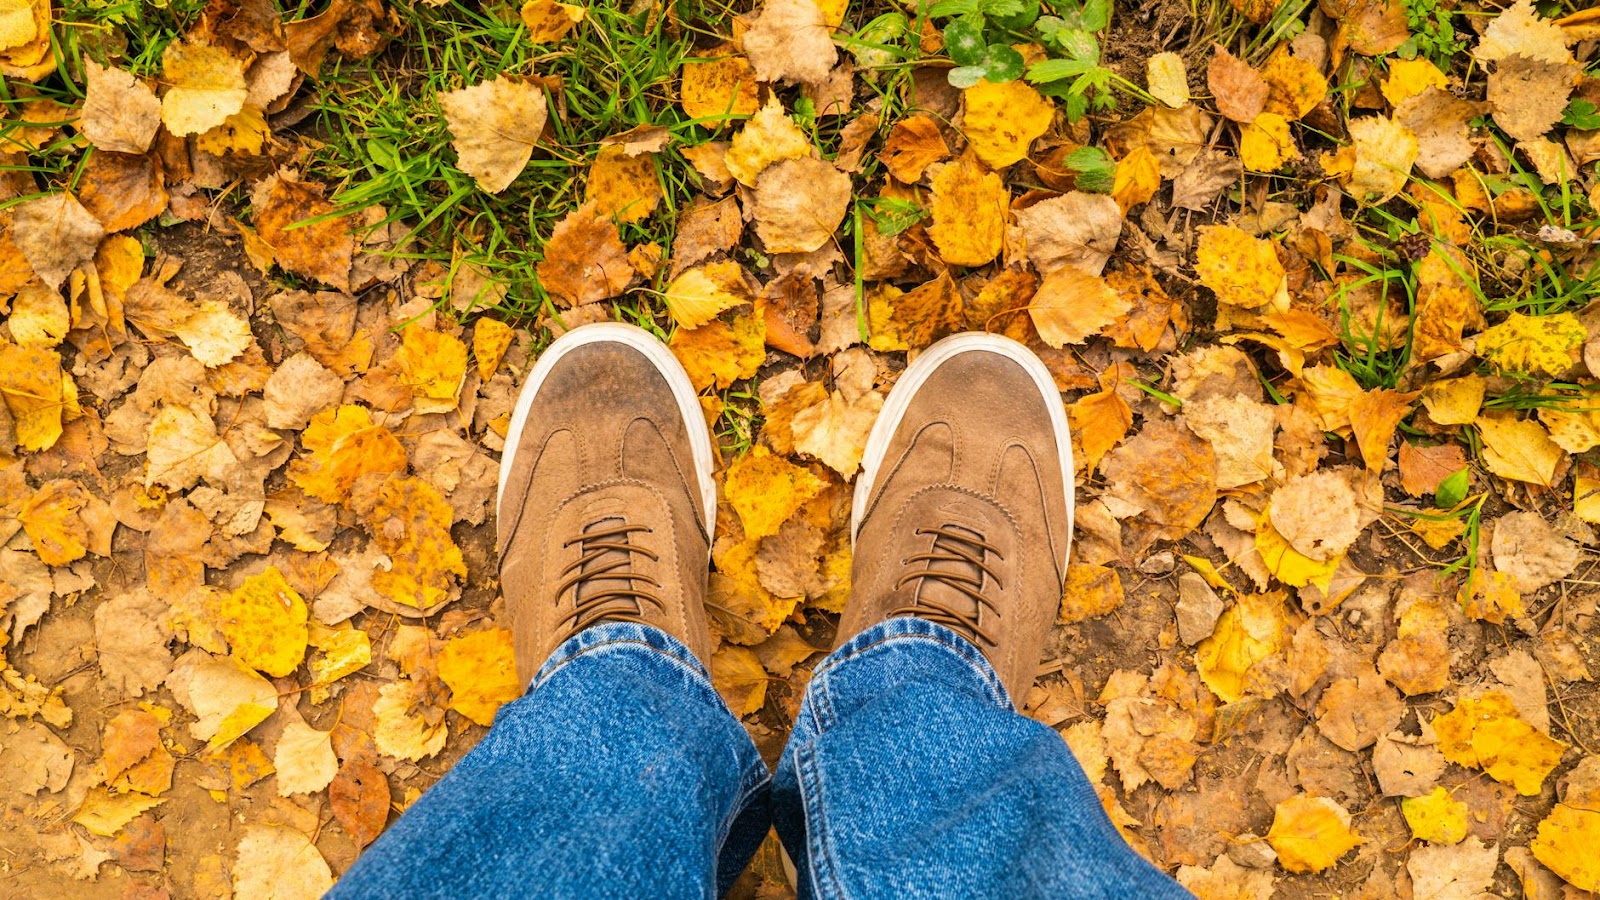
(1317, 281)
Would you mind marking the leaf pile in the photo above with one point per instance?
(1317, 283)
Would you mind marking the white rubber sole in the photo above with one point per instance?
(917, 374)
(659, 356)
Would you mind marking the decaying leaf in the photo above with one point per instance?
(493, 126)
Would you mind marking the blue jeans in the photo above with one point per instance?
(621, 773)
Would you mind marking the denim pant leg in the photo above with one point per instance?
(910, 774)
(620, 773)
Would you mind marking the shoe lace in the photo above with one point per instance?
(602, 580)
(969, 574)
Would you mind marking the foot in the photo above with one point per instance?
(606, 503)
(963, 510)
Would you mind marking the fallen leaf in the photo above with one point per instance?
(1137, 179)
(719, 353)
(50, 517)
(969, 212)
(359, 799)
(1566, 841)
(341, 652)
(1090, 591)
(277, 863)
(718, 86)
(407, 725)
(1436, 817)
(481, 672)
(765, 490)
(226, 697)
(1243, 271)
(1465, 870)
(1441, 123)
(584, 260)
(1528, 96)
(490, 339)
(1385, 150)
(1486, 733)
(1166, 79)
(1409, 77)
(1518, 449)
(623, 186)
(913, 145)
(1072, 305)
(1520, 30)
(1374, 416)
(548, 21)
(789, 41)
(1254, 628)
(410, 523)
(1531, 551)
(1166, 475)
(1076, 229)
(304, 760)
(1311, 833)
(122, 190)
(737, 674)
(1099, 421)
(433, 365)
(104, 813)
(321, 250)
(215, 334)
(494, 126)
(767, 137)
(1237, 88)
(205, 86)
(56, 235)
(132, 631)
(1417, 661)
(701, 294)
(36, 393)
(342, 445)
(1003, 120)
(1294, 86)
(1354, 712)
(1454, 401)
(1240, 431)
(1423, 468)
(799, 204)
(1528, 344)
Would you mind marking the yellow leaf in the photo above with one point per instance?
(1002, 120)
(700, 294)
(1255, 627)
(737, 674)
(548, 21)
(343, 651)
(1167, 79)
(1099, 421)
(765, 490)
(481, 671)
(227, 697)
(1486, 733)
(1374, 416)
(493, 126)
(406, 725)
(434, 365)
(1410, 77)
(1243, 271)
(1311, 833)
(105, 813)
(1206, 569)
(767, 136)
(1566, 843)
(50, 517)
(206, 87)
(343, 444)
(1295, 87)
(1586, 493)
(39, 316)
(1491, 596)
(215, 334)
(883, 335)
(36, 392)
(1385, 150)
(17, 23)
(245, 132)
(1072, 306)
(1137, 180)
(623, 186)
(969, 212)
(1289, 565)
(1090, 591)
(715, 87)
(720, 353)
(1529, 344)
(246, 763)
(265, 623)
(304, 760)
(411, 523)
(1265, 144)
(1518, 449)
(490, 338)
(1436, 817)
(1454, 401)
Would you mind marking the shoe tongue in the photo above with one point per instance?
(950, 545)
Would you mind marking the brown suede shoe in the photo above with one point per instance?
(606, 504)
(963, 509)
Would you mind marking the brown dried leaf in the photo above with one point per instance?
(584, 260)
